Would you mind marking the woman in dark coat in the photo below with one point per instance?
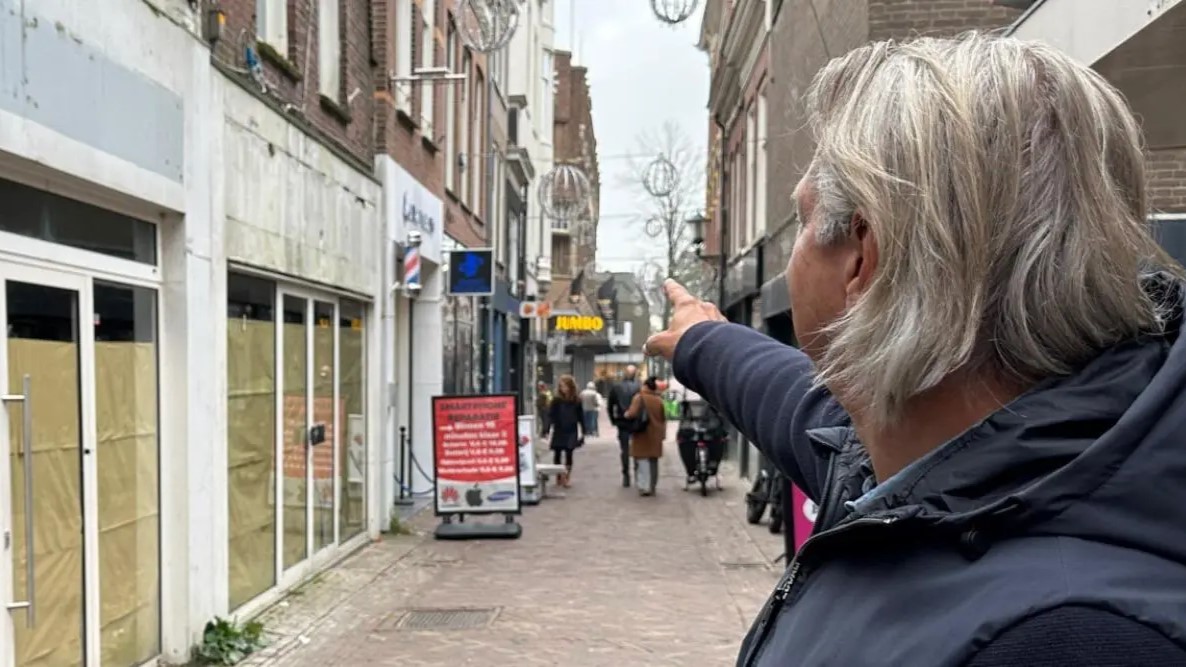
(566, 422)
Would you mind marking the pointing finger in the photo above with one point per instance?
(676, 293)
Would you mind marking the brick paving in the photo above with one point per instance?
(601, 577)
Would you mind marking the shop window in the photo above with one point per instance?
(49, 217)
(352, 399)
(128, 471)
(251, 436)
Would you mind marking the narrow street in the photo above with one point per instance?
(600, 577)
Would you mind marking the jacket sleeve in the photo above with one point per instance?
(1074, 635)
(766, 390)
(611, 407)
(635, 406)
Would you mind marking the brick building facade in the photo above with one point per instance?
(574, 245)
(800, 47)
(291, 72)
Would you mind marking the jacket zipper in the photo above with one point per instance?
(786, 585)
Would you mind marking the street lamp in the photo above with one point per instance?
(696, 225)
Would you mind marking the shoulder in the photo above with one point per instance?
(1079, 635)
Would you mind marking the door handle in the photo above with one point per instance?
(27, 453)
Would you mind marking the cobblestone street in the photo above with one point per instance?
(600, 577)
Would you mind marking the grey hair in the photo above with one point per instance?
(1004, 185)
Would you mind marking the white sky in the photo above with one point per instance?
(642, 73)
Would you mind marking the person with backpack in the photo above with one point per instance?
(620, 396)
(649, 428)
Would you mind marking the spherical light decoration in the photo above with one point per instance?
(674, 11)
(565, 193)
(655, 227)
(488, 25)
(661, 177)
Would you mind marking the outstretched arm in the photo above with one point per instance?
(765, 389)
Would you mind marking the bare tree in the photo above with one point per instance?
(667, 180)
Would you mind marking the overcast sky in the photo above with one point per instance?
(642, 73)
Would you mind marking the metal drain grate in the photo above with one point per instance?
(446, 619)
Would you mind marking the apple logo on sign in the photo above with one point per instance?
(473, 497)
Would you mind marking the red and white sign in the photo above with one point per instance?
(476, 442)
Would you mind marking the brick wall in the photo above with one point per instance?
(404, 136)
(896, 19)
(1167, 180)
(292, 76)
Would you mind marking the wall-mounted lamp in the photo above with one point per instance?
(696, 225)
(215, 22)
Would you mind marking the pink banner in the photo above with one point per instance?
(803, 512)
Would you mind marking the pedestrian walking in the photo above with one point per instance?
(590, 403)
(989, 402)
(543, 403)
(646, 445)
(620, 396)
(566, 424)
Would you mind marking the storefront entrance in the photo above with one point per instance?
(79, 491)
(296, 431)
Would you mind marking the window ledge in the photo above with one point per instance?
(429, 145)
(270, 54)
(405, 118)
(336, 110)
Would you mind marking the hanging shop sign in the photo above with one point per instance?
(535, 309)
(471, 272)
(409, 206)
(476, 466)
(579, 323)
(804, 512)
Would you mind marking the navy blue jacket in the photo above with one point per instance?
(1052, 533)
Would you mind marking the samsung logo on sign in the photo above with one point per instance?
(417, 217)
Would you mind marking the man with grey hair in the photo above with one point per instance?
(990, 399)
(620, 396)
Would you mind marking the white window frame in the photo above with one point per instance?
(402, 90)
(751, 172)
(428, 59)
(464, 137)
(329, 48)
(478, 150)
(451, 109)
(760, 223)
(271, 24)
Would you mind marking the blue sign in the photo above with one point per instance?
(471, 272)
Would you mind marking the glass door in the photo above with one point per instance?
(44, 455)
(309, 414)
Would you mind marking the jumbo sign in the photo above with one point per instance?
(579, 323)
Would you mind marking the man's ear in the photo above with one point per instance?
(861, 263)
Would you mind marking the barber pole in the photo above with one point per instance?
(412, 269)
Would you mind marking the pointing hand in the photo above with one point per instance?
(687, 311)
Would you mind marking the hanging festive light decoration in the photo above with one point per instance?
(655, 227)
(488, 25)
(674, 11)
(661, 177)
(565, 192)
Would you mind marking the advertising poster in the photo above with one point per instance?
(804, 516)
(476, 442)
(527, 475)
